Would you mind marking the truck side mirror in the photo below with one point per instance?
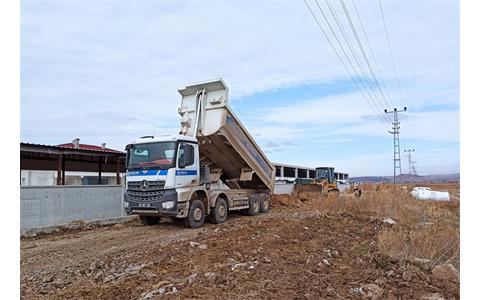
(127, 154)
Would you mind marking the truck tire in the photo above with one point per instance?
(196, 214)
(264, 202)
(149, 220)
(253, 205)
(219, 213)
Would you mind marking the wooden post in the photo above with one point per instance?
(100, 170)
(59, 169)
(117, 160)
(63, 169)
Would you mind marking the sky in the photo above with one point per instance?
(108, 71)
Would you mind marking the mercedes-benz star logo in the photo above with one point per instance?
(144, 186)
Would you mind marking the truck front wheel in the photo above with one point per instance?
(219, 214)
(196, 214)
(149, 220)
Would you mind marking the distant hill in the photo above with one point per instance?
(371, 179)
(409, 178)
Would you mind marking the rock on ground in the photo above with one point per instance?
(371, 291)
(446, 276)
(432, 296)
(389, 221)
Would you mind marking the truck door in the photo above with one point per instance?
(186, 173)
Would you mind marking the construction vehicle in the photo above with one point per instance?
(325, 178)
(324, 181)
(211, 167)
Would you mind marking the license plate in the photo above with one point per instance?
(144, 204)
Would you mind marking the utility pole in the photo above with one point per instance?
(410, 162)
(396, 143)
(414, 168)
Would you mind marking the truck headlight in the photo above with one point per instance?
(168, 204)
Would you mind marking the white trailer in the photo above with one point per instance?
(211, 167)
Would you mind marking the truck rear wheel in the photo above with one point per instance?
(219, 213)
(253, 205)
(264, 202)
(149, 220)
(196, 214)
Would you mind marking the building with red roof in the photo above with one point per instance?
(75, 144)
(70, 164)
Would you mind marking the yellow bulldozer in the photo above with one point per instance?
(324, 181)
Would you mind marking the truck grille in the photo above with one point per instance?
(152, 185)
(137, 191)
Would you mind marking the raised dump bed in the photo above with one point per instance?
(225, 146)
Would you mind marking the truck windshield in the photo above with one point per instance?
(152, 155)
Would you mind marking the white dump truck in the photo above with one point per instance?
(211, 167)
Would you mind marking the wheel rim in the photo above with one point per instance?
(197, 214)
(266, 203)
(221, 211)
(255, 205)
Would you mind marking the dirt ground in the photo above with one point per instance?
(292, 252)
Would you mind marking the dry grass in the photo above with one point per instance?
(439, 243)
(425, 229)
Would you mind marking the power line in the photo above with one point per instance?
(372, 53)
(347, 58)
(358, 79)
(390, 50)
(350, 47)
(407, 131)
(391, 55)
(352, 26)
(342, 61)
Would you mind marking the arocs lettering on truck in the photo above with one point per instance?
(147, 172)
(186, 172)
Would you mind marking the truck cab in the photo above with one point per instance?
(160, 170)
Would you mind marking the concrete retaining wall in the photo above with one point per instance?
(343, 187)
(42, 206)
(284, 188)
(289, 188)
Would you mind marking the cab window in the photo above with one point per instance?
(186, 155)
